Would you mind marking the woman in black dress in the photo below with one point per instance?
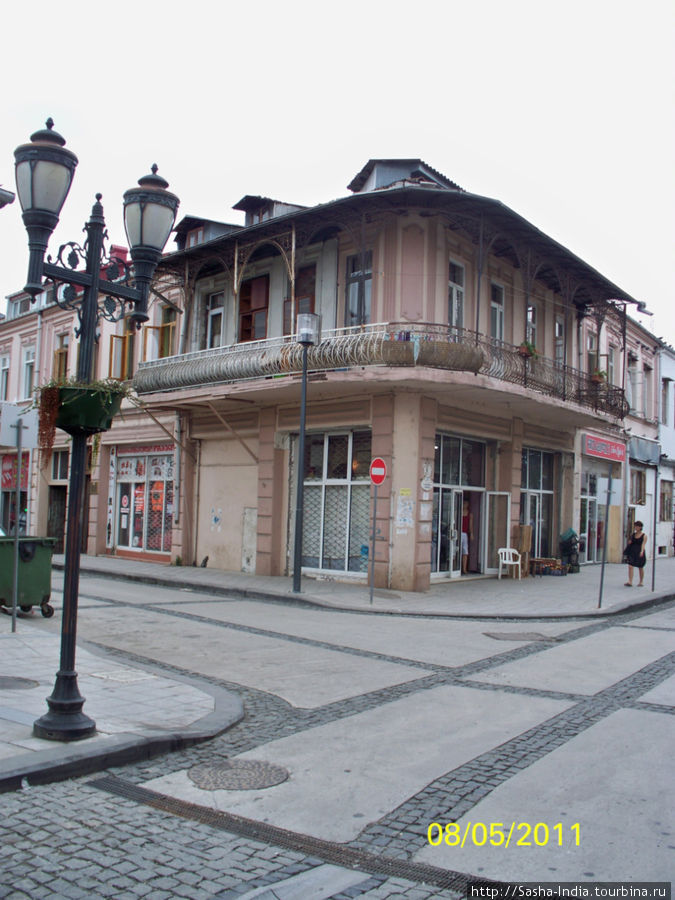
(636, 554)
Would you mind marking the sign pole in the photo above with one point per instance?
(378, 472)
(17, 519)
(372, 546)
(604, 537)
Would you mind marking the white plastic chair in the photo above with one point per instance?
(508, 557)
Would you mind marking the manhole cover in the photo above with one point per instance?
(237, 775)
(519, 636)
(12, 683)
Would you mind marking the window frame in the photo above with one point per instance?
(497, 310)
(456, 294)
(359, 275)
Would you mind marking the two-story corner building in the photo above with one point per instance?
(665, 529)
(482, 360)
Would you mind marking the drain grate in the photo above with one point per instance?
(237, 775)
(329, 852)
(13, 683)
(520, 636)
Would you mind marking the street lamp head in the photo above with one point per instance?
(308, 329)
(149, 214)
(44, 173)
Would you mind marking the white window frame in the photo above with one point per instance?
(4, 377)
(28, 372)
(213, 313)
(497, 311)
(531, 327)
(456, 295)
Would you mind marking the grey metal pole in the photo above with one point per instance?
(17, 517)
(300, 487)
(372, 547)
(604, 537)
(656, 500)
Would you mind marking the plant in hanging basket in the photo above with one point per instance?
(527, 350)
(76, 408)
(599, 376)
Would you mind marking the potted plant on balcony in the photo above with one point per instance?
(76, 408)
(527, 350)
(599, 376)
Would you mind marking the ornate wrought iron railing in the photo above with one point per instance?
(383, 344)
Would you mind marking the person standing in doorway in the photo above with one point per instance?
(467, 535)
(636, 555)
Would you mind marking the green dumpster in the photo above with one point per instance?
(35, 573)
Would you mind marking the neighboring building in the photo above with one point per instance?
(665, 532)
(426, 293)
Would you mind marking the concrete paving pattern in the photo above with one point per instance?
(416, 748)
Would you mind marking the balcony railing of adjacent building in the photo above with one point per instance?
(388, 344)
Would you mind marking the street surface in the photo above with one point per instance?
(548, 743)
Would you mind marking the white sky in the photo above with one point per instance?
(564, 112)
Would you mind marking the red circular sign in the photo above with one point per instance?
(378, 470)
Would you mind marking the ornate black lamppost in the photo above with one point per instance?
(308, 334)
(44, 172)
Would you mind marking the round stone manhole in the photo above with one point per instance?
(237, 775)
(13, 683)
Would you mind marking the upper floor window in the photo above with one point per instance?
(122, 348)
(665, 401)
(497, 312)
(4, 377)
(531, 330)
(253, 304)
(60, 372)
(638, 487)
(647, 392)
(560, 340)
(215, 308)
(591, 352)
(194, 237)
(60, 465)
(358, 287)
(456, 295)
(612, 364)
(28, 381)
(18, 307)
(305, 291)
(158, 340)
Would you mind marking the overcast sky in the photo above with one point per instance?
(564, 112)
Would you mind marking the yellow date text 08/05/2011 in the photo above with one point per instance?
(504, 834)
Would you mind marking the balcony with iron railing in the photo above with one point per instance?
(383, 344)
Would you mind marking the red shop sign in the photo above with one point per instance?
(9, 472)
(604, 449)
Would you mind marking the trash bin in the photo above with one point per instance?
(35, 573)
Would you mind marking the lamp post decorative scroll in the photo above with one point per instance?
(44, 173)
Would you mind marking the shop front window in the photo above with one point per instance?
(536, 499)
(337, 501)
(145, 502)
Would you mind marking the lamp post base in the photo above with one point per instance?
(65, 720)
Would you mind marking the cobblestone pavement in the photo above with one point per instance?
(102, 836)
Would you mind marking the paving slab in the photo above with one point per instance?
(303, 675)
(587, 665)
(137, 711)
(351, 772)
(613, 779)
(443, 643)
(663, 694)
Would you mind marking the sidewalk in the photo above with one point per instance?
(149, 713)
(474, 596)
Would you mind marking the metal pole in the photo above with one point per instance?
(65, 720)
(300, 487)
(604, 537)
(17, 517)
(372, 547)
(656, 500)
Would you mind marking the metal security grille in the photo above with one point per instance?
(336, 502)
(145, 502)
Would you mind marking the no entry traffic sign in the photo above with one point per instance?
(378, 470)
